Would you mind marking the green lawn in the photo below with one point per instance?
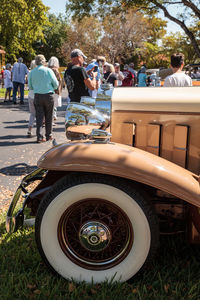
(2, 92)
(175, 274)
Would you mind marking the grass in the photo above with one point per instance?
(175, 274)
(2, 92)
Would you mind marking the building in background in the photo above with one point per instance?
(2, 58)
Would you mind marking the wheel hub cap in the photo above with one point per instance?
(94, 236)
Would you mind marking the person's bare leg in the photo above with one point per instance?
(9, 95)
(6, 93)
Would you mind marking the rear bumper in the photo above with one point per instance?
(14, 222)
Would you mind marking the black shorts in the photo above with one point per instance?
(9, 89)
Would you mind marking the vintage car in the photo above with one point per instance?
(127, 176)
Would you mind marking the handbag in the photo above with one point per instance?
(57, 100)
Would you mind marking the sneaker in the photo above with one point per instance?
(21, 102)
(50, 138)
(14, 102)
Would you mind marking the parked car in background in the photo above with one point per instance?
(126, 177)
(153, 78)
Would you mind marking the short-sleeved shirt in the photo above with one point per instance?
(19, 71)
(110, 77)
(78, 75)
(178, 79)
(142, 80)
(42, 80)
(7, 79)
(128, 78)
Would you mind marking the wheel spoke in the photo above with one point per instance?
(97, 234)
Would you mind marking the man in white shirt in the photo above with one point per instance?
(178, 78)
(120, 76)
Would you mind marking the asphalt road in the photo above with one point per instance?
(18, 153)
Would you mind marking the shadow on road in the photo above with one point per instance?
(12, 143)
(14, 122)
(17, 169)
(12, 137)
(17, 126)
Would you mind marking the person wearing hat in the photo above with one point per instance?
(76, 78)
(19, 72)
(92, 67)
(43, 82)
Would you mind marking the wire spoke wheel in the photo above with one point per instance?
(96, 227)
(95, 234)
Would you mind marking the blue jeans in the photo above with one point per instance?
(15, 89)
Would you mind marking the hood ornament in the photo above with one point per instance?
(100, 136)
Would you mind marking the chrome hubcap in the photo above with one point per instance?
(94, 236)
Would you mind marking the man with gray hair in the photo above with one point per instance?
(43, 82)
(19, 72)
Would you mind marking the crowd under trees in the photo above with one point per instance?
(123, 31)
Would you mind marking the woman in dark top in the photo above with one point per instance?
(110, 76)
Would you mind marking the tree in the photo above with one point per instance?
(55, 35)
(124, 34)
(119, 38)
(84, 34)
(21, 23)
(185, 10)
(179, 43)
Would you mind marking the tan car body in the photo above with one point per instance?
(127, 162)
(153, 185)
(165, 124)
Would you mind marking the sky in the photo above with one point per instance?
(58, 6)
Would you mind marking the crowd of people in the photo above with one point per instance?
(45, 87)
(81, 79)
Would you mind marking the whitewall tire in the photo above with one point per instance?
(95, 227)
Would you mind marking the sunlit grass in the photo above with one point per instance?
(2, 92)
(174, 274)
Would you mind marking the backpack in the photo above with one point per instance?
(69, 81)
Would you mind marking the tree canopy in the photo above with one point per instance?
(54, 36)
(120, 38)
(21, 24)
(186, 13)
